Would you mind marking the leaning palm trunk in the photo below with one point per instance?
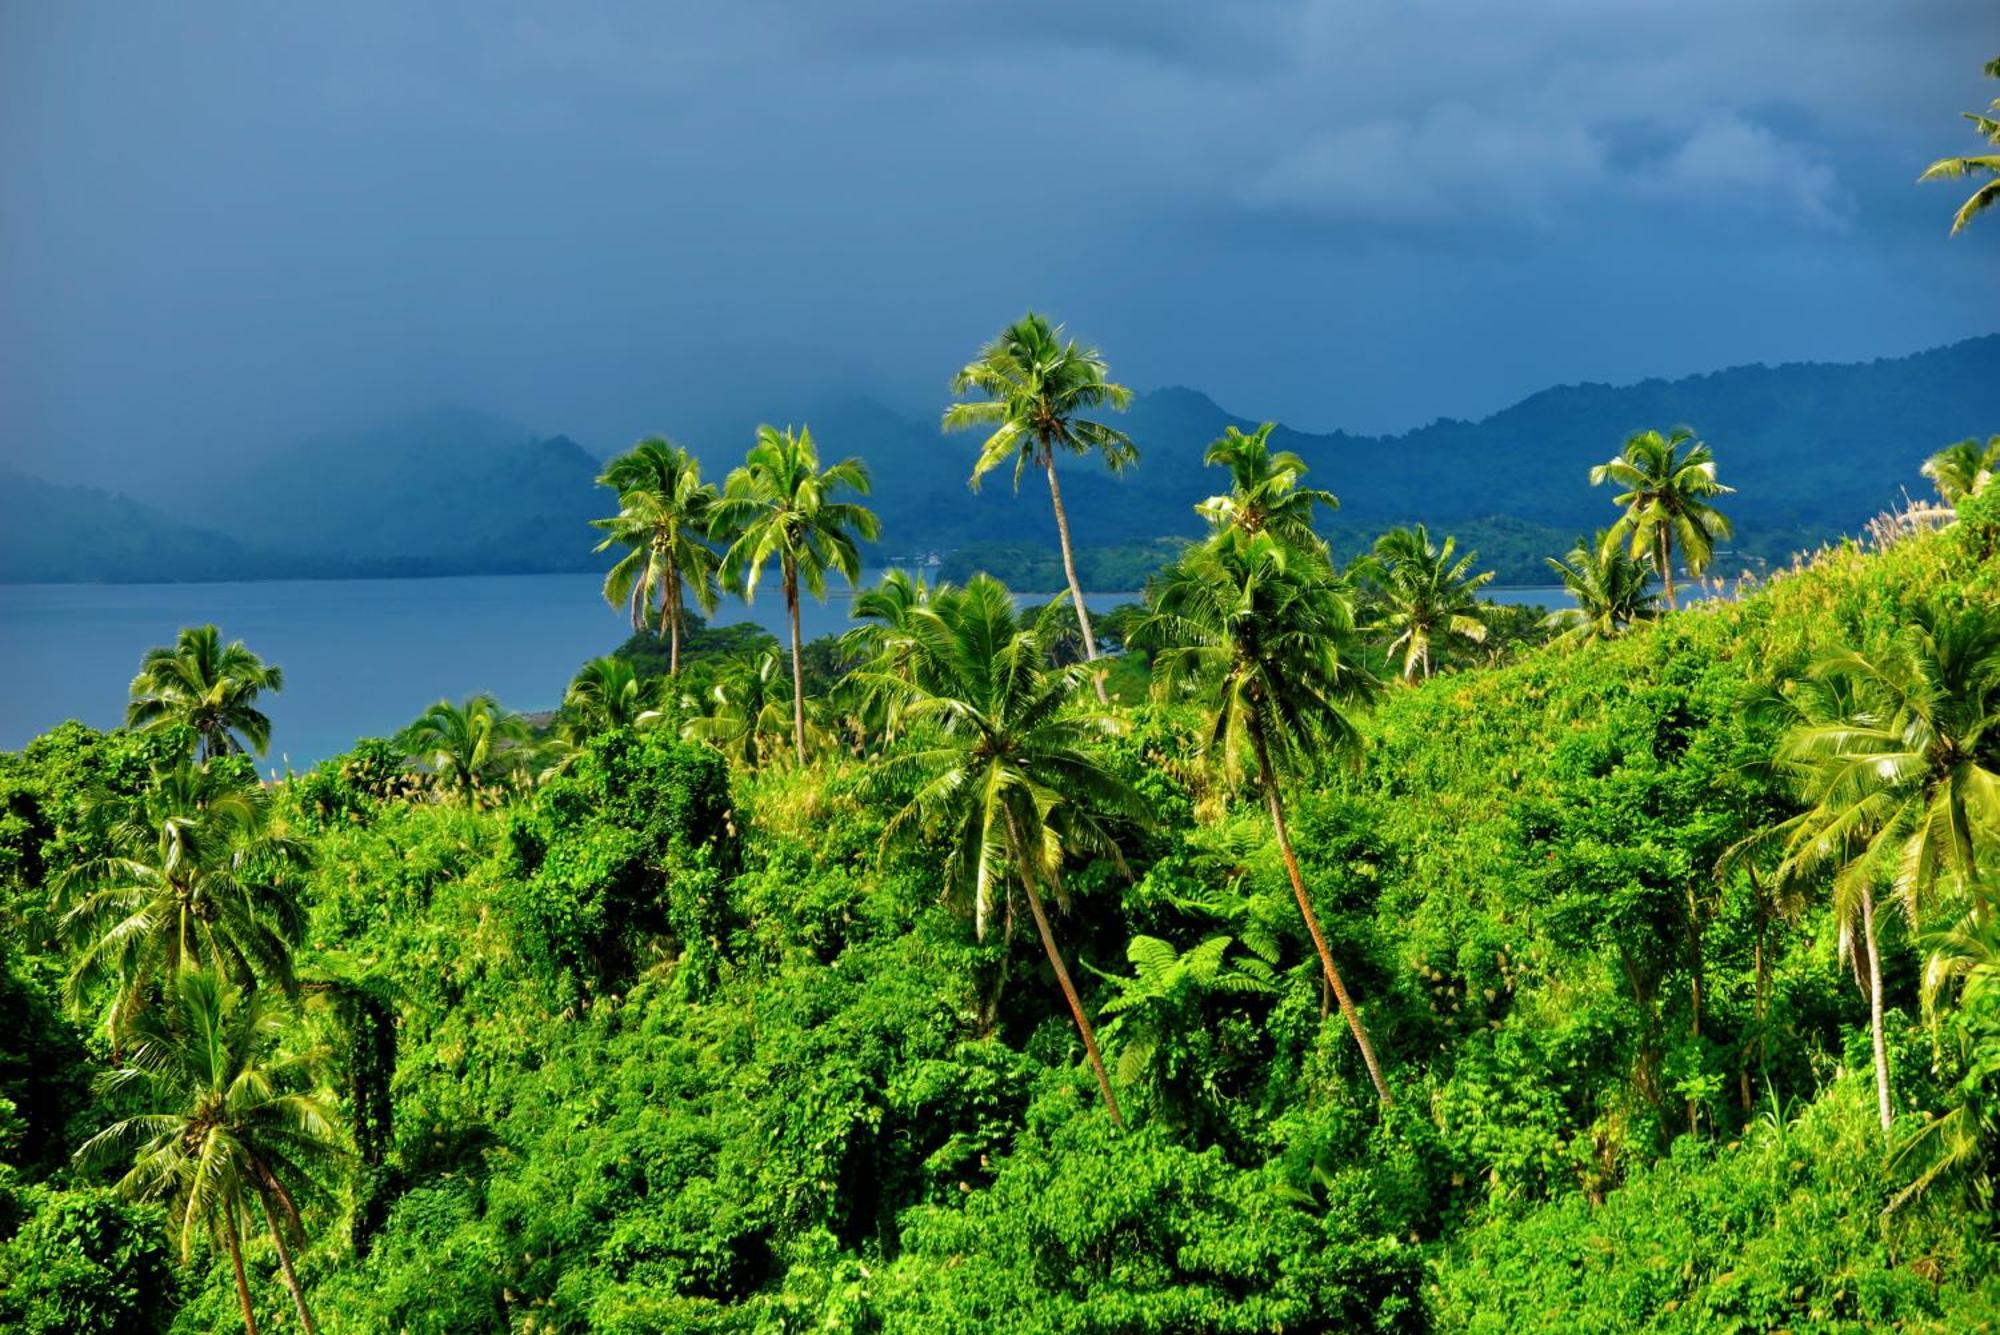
(285, 1264)
(798, 670)
(234, 1236)
(1075, 584)
(1333, 979)
(1062, 973)
(1873, 948)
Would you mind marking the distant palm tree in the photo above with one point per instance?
(1266, 495)
(210, 688)
(1609, 586)
(1254, 631)
(606, 695)
(1985, 164)
(226, 1123)
(1896, 756)
(1666, 501)
(778, 506)
(663, 518)
(1004, 762)
(748, 710)
(1037, 388)
(1423, 595)
(464, 745)
(1963, 469)
(196, 877)
(882, 645)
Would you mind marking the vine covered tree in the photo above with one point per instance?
(1260, 636)
(1610, 588)
(1666, 498)
(1977, 165)
(1003, 758)
(664, 513)
(1037, 388)
(208, 687)
(780, 506)
(1423, 595)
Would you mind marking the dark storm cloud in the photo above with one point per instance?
(223, 226)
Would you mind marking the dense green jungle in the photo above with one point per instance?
(1310, 946)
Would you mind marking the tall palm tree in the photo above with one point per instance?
(1666, 498)
(1265, 495)
(1963, 469)
(1984, 164)
(207, 686)
(228, 1123)
(1254, 632)
(606, 694)
(1006, 769)
(1423, 595)
(1609, 586)
(1896, 758)
(196, 877)
(465, 745)
(1037, 388)
(779, 506)
(747, 711)
(664, 512)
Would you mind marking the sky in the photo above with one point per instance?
(227, 228)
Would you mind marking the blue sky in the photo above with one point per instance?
(226, 227)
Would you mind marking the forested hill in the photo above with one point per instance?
(1813, 450)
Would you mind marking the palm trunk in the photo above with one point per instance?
(1075, 584)
(1333, 980)
(1667, 567)
(1694, 988)
(1875, 1006)
(670, 612)
(236, 1260)
(1760, 1002)
(1062, 972)
(285, 1265)
(798, 670)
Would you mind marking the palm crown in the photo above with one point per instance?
(1424, 594)
(210, 688)
(1963, 469)
(1610, 588)
(465, 745)
(1983, 164)
(1266, 495)
(1666, 498)
(663, 518)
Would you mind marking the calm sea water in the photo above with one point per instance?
(361, 657)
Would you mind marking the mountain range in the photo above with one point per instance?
(1813, 449)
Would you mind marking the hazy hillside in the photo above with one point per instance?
(1813, 449)
(56, 534)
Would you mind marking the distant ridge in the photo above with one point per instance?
(1813, 448)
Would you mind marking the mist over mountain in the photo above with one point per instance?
(1813, 450)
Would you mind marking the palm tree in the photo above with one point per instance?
(195, 878)
(1985, 164)
(464, 745)
(1963, 469)
(1004, 761)
(228, 1123)
(1609, 586)
(1254, 632)
(747, 711)
(1424, 595)
(882, 644)
(606, 695)
(207, 686)
(664, 512)
(1037, 388)
(779, 505)
(1265, 495)
(1666, 501)
(1896, 757)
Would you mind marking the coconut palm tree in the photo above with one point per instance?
(227, 1123)
(1423, 595)
(606, 694)
(779, 506)
(1609, 586)
(1265, 495)
(1036, 389)
(748, 710)
(1004, 761)
(664, 512)
(208, 687)
(465, 745)
(881, 643)
(1896, 758)
(195, 877)
(1984, 164)
(1666, 498)
(1257, 634)
(1963, 469)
